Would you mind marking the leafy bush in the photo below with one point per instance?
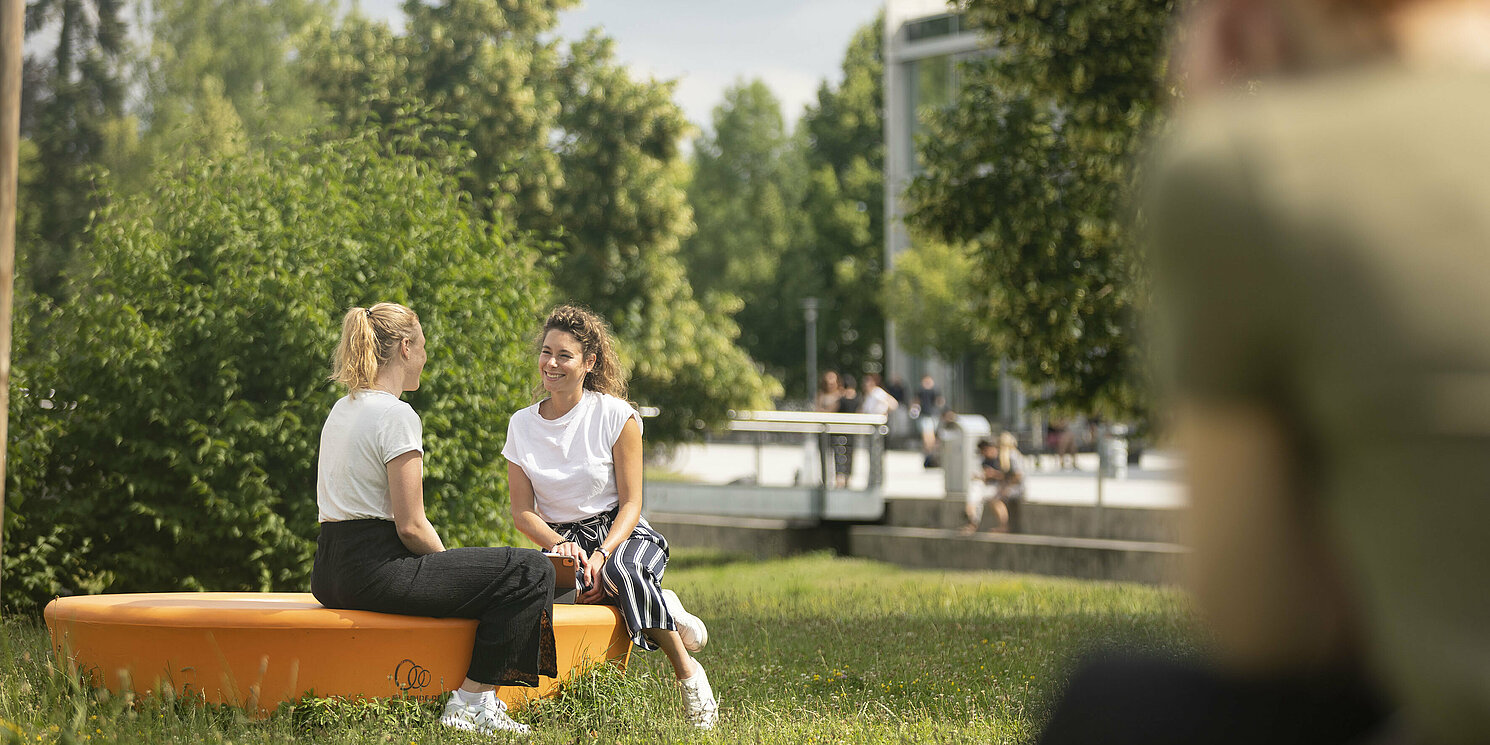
(190, 372)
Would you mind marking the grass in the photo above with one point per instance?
(812, 649)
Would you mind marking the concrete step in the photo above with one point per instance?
(760, 538)
(1146, 524)
(1062, 556)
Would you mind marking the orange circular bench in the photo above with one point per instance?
(256, 650)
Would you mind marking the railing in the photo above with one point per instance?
(813, 497)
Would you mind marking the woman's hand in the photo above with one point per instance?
(570, 549)
(592, 579)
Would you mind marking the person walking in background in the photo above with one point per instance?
(829, 390)
(876, 400)
(377, 550)
(574, 464)
(1320, 217)
(843, 445)
(1060, 438)
(926, 411)
(896, 389)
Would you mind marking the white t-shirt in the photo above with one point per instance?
(877, 402)
(569, 459)
(359, 438)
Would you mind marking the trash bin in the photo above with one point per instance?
(960, 451)
(1112, 452)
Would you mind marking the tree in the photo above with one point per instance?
(746, 193)
(842, 139)
(490, 66)
(178, 450)
(574, 151)
(75, 116)
(627, 215)
(220, 69)
(782, 218)
(1032, 168)
(931, 298)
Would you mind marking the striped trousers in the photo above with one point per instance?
(631, 579)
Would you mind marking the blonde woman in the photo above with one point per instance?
(377, 551)
(574, 460)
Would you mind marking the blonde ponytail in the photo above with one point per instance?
(369, 337)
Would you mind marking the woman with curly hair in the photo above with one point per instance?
(575, 469)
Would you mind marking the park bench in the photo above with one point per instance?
(255, 650)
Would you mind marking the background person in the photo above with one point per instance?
(843, 445)
(927, 412)
(378, 552)
(574, 460)
(1320, 242)
(1001, 476)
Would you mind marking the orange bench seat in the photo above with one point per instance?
(256, 650)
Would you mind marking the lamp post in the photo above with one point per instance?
(809, 311)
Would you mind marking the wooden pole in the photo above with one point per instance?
(12, 18)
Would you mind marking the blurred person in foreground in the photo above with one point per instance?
(1320, 228)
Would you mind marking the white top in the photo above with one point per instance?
(569, 459)
(877, 402)
(359, 438)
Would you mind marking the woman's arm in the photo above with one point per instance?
(406, 488)
(525, 516)
(626, 454)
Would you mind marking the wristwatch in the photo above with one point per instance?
(603, 552)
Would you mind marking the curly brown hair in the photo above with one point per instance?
(594, 336)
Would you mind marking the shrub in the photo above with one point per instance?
(190, 371)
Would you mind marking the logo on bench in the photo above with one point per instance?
(408, 676)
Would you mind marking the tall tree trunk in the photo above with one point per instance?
(12, 18)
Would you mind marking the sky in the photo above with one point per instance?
(707, 45)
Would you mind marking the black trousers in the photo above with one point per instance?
(362, 565)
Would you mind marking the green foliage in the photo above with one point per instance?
(625, 215)
(569, 147)
(489, 65)
(783, 218)
(190, 370)
(746, 193)
(931, 298)
(74, 106)
(221, 69)
(843, 236)
(1032, 168)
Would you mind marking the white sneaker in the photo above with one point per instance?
(699, 704)
(487, 717)
(695, 634)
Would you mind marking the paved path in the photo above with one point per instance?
(1154, 483)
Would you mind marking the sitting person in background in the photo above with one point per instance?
(1001, 478)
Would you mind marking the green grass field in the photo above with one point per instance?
(812, 649)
